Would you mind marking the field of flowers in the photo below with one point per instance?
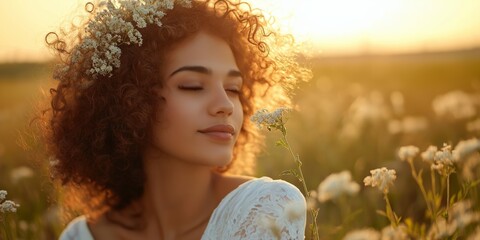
(388, 149)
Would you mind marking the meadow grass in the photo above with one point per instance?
(316, 131)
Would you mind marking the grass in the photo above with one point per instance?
(314, 132)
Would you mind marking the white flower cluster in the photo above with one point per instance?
(407, 153)
(446, 157)
(363, 234)
(264, 118)
(459, 217)
(112, 27)
(382, 178)
(455, 104)
(388, 233)
(7, 205)
(336, 185)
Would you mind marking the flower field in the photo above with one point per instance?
(388, 149)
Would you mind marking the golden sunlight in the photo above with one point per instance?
(379, 26)
(325, 26)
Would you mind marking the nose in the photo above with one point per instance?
(220, 104)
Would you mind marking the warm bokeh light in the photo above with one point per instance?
(329, 27)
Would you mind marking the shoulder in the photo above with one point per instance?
(256, 207)
(77, 229)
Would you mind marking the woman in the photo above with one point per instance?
(149, 122)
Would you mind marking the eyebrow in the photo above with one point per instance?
(204, 70)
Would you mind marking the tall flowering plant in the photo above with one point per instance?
(6, 207)
(275, 121)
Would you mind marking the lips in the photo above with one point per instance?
(221, 132)
(221, 128)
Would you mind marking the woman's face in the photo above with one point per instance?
(201, 117)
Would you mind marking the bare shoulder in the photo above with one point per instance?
(227, 183)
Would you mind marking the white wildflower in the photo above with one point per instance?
(398, 101)
(460, 214)
(20, 173)
(469, 167)
(466, 148)
(336, 185)
(407, 125)
(3, 195)
(441, 229)
(382, 178)
(395, 233)
(295, 210)
(445, 156)
(270, 120)
(456, 104)
(8, 206)
(116, 23)
(363, 234)
(408, 152)
(429, 154)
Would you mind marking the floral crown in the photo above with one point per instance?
(115, 25)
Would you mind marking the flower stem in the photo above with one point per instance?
(419, 182)
(6, 226)
(302, 180)
(390, 214)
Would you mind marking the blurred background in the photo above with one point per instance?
(387, 73)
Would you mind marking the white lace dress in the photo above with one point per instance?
(260, 208)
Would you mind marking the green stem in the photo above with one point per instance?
(422, 188)
(448, 192)
(302, 180)
(389, 211)
(434, 193)
(6, 226)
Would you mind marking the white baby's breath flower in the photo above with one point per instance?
(8, 206)
(460, 214)
(270, 120)
(395, 233)
(407, 125)
(429, 154)
(466, 148)
(115, 23)
(445, 156)
(455, 104)
(407, 152)
(363, 234)
(336, 185)
(3, 195)
(382, 178)
(441, 229)
(20, 173)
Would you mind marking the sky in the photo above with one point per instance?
(333, 27)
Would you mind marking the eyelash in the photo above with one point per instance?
(234, 91)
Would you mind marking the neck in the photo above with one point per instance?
(179, 196)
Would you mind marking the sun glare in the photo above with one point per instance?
(352, 25)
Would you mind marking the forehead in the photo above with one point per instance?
(202, 49)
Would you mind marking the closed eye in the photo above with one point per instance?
(233, 90)
(190, 88)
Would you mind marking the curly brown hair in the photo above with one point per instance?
(97, 132)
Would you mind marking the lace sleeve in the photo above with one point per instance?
(269, 209)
